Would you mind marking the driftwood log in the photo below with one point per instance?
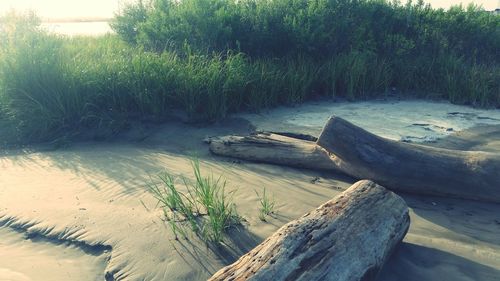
(410, 167)
(274, 149)
(348, 238)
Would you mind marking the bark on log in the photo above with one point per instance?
(274, 149)
(410, 167)
(346, 239)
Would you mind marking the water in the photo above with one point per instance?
(78, 28)
(61, 10)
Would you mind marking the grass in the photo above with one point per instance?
(267, 205)
(54, 87)
(204, 205)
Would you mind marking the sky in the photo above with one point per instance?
(60, 9)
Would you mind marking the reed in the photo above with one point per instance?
(55, 87)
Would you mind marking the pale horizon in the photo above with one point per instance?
(104, 9)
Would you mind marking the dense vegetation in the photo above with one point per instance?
(213, 57)
(317, 28)
(362, 47)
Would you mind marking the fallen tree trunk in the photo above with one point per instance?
(274, 149)
(410, 167)
(346, 239)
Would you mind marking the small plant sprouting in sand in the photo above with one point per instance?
(266, 205)
(203, 205)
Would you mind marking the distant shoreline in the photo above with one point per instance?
(70, 20)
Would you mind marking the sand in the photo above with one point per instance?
(84, 211)
(39, 258)
(408, 120)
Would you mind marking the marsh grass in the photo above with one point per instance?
(54, 87)
(267, 205)
(204, 206)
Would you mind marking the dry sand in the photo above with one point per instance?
(86, 214)
(39, 258)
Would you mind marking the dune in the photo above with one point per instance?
(90, 202)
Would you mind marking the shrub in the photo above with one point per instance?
(127, 22)
(318, 28)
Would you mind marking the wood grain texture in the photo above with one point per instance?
(274, 149)
(410, 167)
(346, 239)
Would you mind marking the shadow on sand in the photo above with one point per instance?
(477, 220)
(237, 242)
(412, 262)
(129, 168)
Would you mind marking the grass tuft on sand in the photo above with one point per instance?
(267, 205)
(204, 206)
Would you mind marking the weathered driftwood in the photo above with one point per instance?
(411, 167)
(346, 239)
(275, 149)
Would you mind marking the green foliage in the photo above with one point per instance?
(14, 27)
(267, 205)
(128, 21)
(31, 79)
(210, 58)
(205, 24)
(51, 88)
(204, 205)
(358, 48)
(318, 28)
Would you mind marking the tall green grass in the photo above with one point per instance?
(204, 205)
(359, 48)
(54, 86)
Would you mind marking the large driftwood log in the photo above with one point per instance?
(274, 149)
(346, 239)
(410, 167)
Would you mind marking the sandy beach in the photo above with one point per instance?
(84, 212)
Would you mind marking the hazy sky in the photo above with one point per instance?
(106, 8)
